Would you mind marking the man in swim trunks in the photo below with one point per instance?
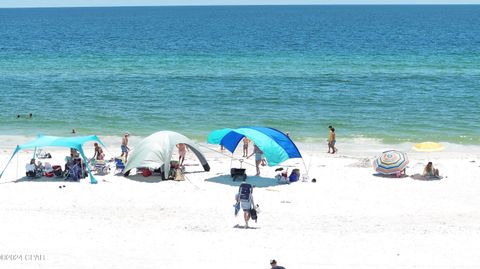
(246, 205)
(245, 146)
(124, 146)
(332, 140)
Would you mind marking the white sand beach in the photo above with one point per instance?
(349, 218)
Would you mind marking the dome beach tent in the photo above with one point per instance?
(157, 149)
(56, 141)
(276, 146)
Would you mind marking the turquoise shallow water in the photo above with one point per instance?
(394, 73)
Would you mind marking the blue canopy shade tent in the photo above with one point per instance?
(276, 146)
(54, 141)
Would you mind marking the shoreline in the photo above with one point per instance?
(346, 146)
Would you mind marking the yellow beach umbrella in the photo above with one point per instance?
(428, 147)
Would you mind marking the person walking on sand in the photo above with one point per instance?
(182, 151)
(124, 147)
(274, 265)
(332, 140)
(245, 146)
(244, 196)
(258, 158)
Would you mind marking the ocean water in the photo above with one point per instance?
(391, 73)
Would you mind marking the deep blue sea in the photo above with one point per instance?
(394, 73)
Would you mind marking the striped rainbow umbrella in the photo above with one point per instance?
(390, 162)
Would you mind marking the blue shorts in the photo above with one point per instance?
(124, 149)
(258, 156)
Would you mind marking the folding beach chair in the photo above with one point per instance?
(119, 165)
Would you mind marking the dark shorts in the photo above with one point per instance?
(124, 148)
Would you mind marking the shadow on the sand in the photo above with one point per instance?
(141, 178)
(243, 227)
(257, 181)
(43, 179)
(415, 176)
(389, 176)
(425, 178)
(156, 178)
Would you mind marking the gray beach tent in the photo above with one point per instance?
(157, 150)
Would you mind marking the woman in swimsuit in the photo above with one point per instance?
(258, 158)
(430, 171)
(98, 152)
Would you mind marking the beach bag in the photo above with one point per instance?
(253, 214)
(146, 172)
(295, 175)
(237, 208)
(245, 191)
(179, 175)
(76, 172)
(57, 170)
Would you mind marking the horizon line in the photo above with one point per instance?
(246, 5)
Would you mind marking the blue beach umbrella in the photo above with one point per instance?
(390, 162)
(276, 146)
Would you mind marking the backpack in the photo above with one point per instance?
(245, 191)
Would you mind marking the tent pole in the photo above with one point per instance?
(306, 169)
(34, 153)
(16, 173)
(11, 158)
(85, 161)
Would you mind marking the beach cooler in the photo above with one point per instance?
(295, 175)
(57, 170)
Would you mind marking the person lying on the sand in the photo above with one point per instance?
(430, 171)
